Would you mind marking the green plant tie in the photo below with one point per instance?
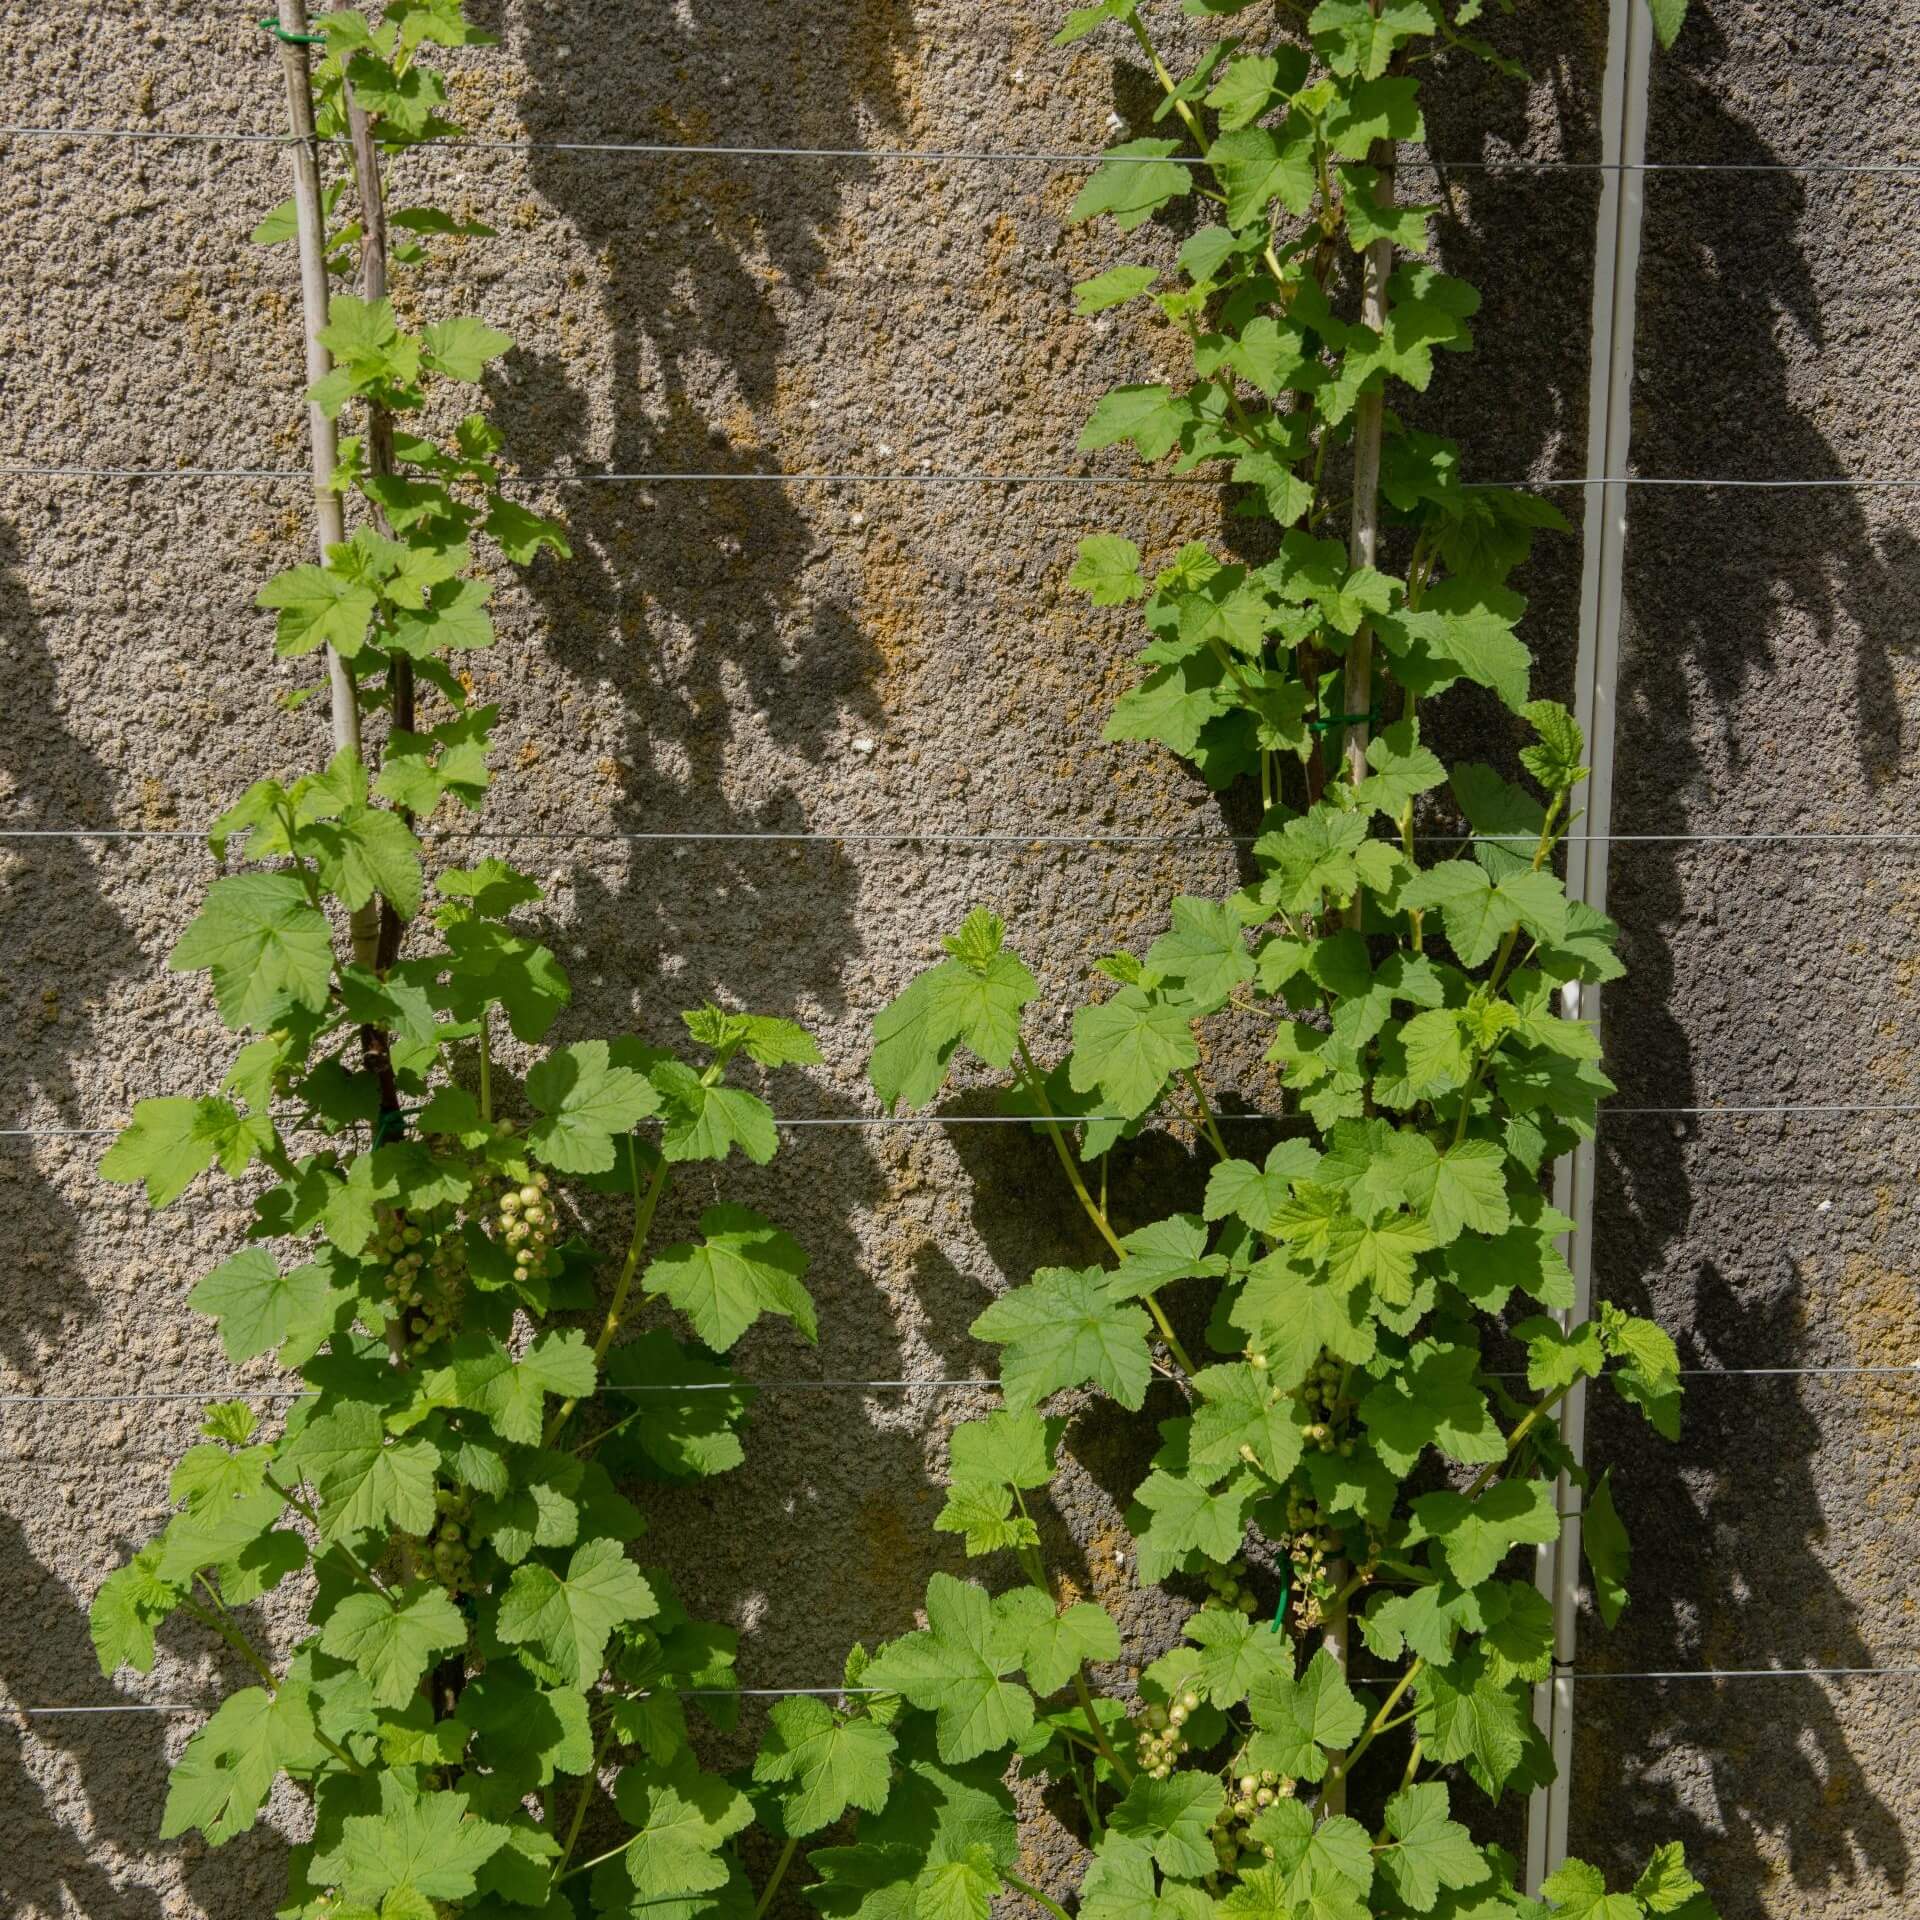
(391, 1124)
(273, 26)
(1280, 1606)
(1371, 718)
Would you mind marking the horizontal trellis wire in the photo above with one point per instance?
(1578, 1674)
(1011, 156)
(1910, 1371)
(1040, 837)
(1865, 483)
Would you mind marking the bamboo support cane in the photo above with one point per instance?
(329, 519)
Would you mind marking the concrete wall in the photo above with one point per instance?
(1768, 681)
(751, 657)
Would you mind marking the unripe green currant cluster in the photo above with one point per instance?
(1161, 1739)
(1320, 1394)
(524, 1223)
(449, 1555)
(1233, 1843)
(443, 1553)
(426, 1273)
(1228, 1590)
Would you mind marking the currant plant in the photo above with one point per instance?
(1356, 1348)
(483, 1699)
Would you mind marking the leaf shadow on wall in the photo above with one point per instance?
(65, 943)
(1779, 1788)
(711, 612)
(74, 1786)
(719, 619)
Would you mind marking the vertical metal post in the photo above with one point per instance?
(1624, 109)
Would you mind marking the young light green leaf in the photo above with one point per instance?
(461, 348)
(319, 608)
(364, 1481)
(1114, 288)
(168, 1144)
(1012, 1448)
(1430, 1850)
(1127, 1046)
(268, 949)
(221, 1782)
(394, 1638)
(1206, 953)
(1058, 1644)
(1235, 1653)
(826, 1764)
(956, 1668)
(1245, 1416)
(566, 1620)
(257, 1305)
(1477, 1534)
(583, 1102)
(982, 1511)
(1669, 16)
(1579, 1892)
(1298, 1720)
(742, 1267)
(1189, 1517)
(1108, 571)
(1133, 183)
(1065, 1329)
(1604, 1540)
(1173, 1818)
(424, 1845)
(1433, 1401)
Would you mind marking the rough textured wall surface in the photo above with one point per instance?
(742, 657)
(1768, 682)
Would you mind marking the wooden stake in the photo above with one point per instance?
(373, 286)
(329, 519)
(1363, 547)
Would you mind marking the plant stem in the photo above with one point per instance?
(1094, 1212)
(231, 1634)
(598, 1860)
(645, 1206)
(580, 1814)
(224, 1624)
(373, 287)
(1083, 1787)
(1034, 1894)
(780, 1867)
(1085, 1697)
(1192, 1077)
(307, 1513)
(1375, 1727)
(1535, 1414)
(1369, 419)
(329, 518)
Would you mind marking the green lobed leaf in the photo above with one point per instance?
(957, 1667)
(565, 1620)
(743, 1266)
(825, 1762)
(394, 1638)
(1065, 1329)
